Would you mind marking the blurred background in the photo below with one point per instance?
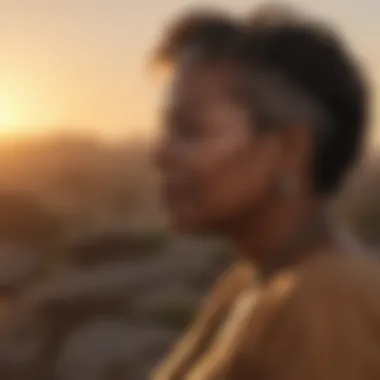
(93, 285)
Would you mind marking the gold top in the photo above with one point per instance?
(319, 319)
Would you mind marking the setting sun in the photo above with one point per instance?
(12, 121)
(8, 117)
(20, 113)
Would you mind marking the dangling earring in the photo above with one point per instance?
(287, 185)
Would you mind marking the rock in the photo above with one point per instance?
(142, 306)
(19, 266)
(105, 247)
(110, 350)
(170, 306)
(22, 355)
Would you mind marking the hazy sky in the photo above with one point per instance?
(82, 63)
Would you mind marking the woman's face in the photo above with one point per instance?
(216, 169)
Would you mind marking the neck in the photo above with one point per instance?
(287, 233)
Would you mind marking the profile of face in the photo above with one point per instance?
(216, 169)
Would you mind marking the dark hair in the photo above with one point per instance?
(307, 54)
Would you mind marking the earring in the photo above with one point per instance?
(287, 185)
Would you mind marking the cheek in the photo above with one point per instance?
(235, 177)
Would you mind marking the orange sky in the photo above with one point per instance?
(82, 63)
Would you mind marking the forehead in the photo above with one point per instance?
(201, 83)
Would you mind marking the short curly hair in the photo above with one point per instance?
(305, 52)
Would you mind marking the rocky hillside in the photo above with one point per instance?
(108, 318)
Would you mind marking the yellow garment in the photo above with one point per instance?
(319, 319)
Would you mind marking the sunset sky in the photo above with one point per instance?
(82, 63)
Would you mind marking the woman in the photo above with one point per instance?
(264, 118)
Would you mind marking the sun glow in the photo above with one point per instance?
(19, 116)
(8, 117)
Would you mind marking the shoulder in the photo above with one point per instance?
(330, 283)
(339, 274)
(335, 272)
(311, 318)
